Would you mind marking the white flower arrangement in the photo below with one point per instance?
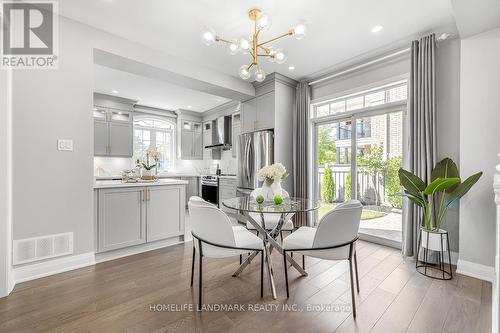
(151, 153)
(272, 173)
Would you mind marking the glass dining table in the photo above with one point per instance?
(249, 210)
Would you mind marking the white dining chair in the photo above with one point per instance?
(215, 237)
(333, 239)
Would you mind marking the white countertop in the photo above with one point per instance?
(117, 183)
(163, 175)
(228, 177)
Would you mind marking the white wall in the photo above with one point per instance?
(6, 283)
(52, 189)
(479, 143)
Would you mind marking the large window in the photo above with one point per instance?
(383, 95)
(358, 151)
(154, 132)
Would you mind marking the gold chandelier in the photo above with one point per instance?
(253, 46)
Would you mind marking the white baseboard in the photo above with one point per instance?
(42, 269)
(129, 251)
(11, 282)
(50, 267)
(478, 271)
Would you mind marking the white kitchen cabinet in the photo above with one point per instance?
(101, 137)
(128, 216)
(120, 139)
(249, 115)
(235, 135)
(192, 188)
(227, 190)
(258, 113)
(113, 133)
(164, 209)
(265, 111)
(191, 140)
(122, 218)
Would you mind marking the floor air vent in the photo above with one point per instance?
(44, 247)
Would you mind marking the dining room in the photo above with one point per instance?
(250, 166)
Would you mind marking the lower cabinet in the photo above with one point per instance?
(137, 215)
(227, 190)
(163, 212)
(122, 218)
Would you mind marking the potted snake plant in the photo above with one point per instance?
(444, 191)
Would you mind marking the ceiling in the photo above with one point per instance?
(337, 30)
(154, 93)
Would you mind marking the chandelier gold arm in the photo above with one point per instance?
(289, 33)
(220, 39)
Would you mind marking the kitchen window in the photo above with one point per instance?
(155, 132)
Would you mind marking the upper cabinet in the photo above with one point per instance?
(113, 132)
(258, 113)
(191, 140)
(236, 134)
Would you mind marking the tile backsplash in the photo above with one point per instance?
(113, 166)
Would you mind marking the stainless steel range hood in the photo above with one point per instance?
(221, 133)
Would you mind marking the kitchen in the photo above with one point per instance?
(214, 154)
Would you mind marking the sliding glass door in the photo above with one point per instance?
(357, 155)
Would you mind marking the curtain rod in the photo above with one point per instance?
(363, 65)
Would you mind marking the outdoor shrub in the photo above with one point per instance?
(328, 187)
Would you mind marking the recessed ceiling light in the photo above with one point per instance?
(114, 91)
(291, 68)
(190, 106)
(377, 28)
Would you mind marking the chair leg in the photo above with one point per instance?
(261, 274)
(241, 259)
(356, 269)
(352, 289)
(286, 273)
(303, 262)
(200, 280)
(192, 266)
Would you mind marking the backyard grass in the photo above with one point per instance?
(365, 215)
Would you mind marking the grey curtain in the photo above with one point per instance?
(422, 128)
(301, 147)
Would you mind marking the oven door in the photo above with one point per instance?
(210, 193)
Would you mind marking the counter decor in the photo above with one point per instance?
(150, 164)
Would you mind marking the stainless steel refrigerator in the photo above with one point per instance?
(256, 151)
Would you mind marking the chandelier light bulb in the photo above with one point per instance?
(208, 37)
(233, 48)
(300, 30)
(280, 56)
(244, 45)
(244, 72)
(260, 75)
(264, 22)
(255, 46)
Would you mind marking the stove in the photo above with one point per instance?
(210, 188)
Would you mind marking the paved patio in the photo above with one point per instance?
(389, 226)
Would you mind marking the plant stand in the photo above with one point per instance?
(437, 241)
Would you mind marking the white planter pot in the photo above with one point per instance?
(431, 239)
(270, 191)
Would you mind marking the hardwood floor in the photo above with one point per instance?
(131, 294)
